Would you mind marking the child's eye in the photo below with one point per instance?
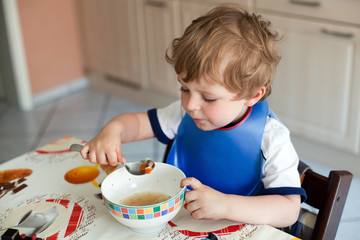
(209, 99)
(182, 89)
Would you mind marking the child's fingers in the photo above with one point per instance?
(112, 158)
(190, 181)
(193, 206)
(92, 157)
(100, 158)
(120, 157)
(85, 152)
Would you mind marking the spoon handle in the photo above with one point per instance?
(76, 147)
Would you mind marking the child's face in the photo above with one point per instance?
(211, 106)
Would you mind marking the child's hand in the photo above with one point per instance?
(104, 148)
(203, 202)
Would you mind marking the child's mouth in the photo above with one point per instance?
(198, 120)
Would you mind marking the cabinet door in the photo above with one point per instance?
(162, 26)
(110, 38)
(316, 88)
(191, 10)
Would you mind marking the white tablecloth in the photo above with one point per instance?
(81, 211)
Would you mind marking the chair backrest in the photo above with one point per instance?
(328, 195)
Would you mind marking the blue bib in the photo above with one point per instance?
(228, 160)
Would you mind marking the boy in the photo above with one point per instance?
(236, 154)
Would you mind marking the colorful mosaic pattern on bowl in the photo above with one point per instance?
(142, 213)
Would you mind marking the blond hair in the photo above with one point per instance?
(228, 33)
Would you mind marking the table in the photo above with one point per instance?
(36, 181)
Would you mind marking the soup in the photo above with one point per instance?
(144, 199)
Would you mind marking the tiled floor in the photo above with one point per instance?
(82, 114)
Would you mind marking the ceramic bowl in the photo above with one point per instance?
(164, 179)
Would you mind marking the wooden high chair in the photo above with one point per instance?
(328, 195)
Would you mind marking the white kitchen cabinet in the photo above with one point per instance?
(162, 25)
(191, 9)
(345, 11)
(110, 39)
(316, 87)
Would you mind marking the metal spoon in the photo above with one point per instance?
(132, 167)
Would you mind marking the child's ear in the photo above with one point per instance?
(259, 94)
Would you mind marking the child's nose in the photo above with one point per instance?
(193, 104)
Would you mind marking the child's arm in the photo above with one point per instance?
(105, 147)
(206, 203)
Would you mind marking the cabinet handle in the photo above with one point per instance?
(306, 3)
(337, 34)
(157, 4)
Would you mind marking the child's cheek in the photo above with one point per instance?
(215, 116)
(184, 101)
(221, 116)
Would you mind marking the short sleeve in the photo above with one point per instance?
(281, 161)
(165, 121)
